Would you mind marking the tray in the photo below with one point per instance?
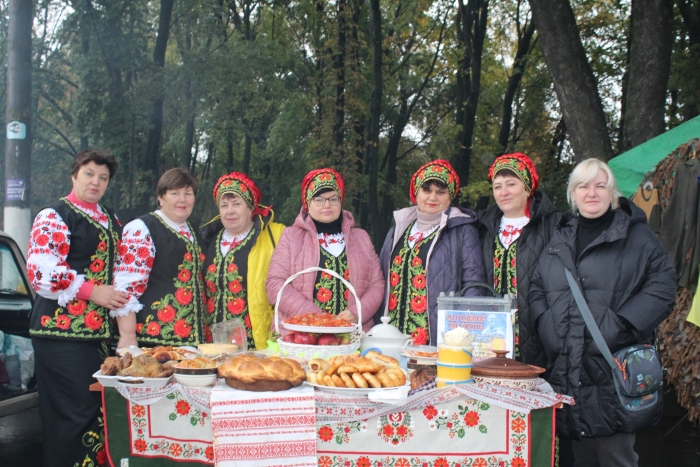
(319, 329)
(353, 391)
(131, 381)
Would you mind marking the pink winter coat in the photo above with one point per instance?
(298, 249)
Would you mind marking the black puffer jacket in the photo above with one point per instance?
(628, 282)
(535, 236)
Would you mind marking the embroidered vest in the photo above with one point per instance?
(173, 299)
(505, 280)
(330, 294)
(408, 292)
(225, 282)
(92, 253)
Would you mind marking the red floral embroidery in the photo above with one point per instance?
(184, 275)
(140, 445)
(138, 410)
(393, 279)
(235, 286)
(419, 281)
(418, 304)
(430, 412)
(517, 425)
(93, 320)
(236, 306)
(471, 418)
(183, 296)
(323, 295)
(62, 322)
(182, 329)
(76, 307)
(45, 320)
(420, 336)
(153, 328)
(167, 314)
(325, 433)
(182, 407)
(393, 301)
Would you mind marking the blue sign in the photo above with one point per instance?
(14, 189)
(16, 130)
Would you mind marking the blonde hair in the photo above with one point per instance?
(584, 173)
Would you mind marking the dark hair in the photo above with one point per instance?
(99, 158)
(505, 173)
(175, 179)
(429, 183)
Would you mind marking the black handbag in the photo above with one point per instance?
(637, 370)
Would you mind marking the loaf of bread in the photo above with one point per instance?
(252, 373)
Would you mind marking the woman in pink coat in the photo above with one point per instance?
(324, 235)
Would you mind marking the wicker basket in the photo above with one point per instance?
(319, 351)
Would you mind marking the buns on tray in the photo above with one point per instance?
(374, 370)
(249, 372)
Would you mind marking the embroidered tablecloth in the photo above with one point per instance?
(264, 429)
(445, 428)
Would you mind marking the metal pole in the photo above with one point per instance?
(18, 119)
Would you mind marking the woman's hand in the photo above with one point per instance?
(348, 315)
(108, 297)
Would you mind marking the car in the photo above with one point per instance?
(16, 302)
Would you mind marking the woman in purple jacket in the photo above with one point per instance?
(433, 247)
(325, 235)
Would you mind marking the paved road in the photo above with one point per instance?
(20, 440)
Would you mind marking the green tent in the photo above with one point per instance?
(631, 167)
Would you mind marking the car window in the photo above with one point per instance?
(10, 275)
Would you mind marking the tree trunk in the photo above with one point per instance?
(574, 83)
(519, 64)
(471, 32)
(648, 71)
(375, 110)
(339, 71)
(153, 145)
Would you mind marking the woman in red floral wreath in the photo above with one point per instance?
(421, 253)
(240, 242)
(519, 225)
(325, 235)
(70, 261)
(160, 266)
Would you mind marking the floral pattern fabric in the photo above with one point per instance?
(225, 288)
(174, 318)
(330, 294)
(408, 293)
(52, 278)
(506, 282)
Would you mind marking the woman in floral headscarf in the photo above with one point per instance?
(239, 244)
(325, 235)
(519, 225)
(432, 248)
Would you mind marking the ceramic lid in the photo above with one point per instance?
(386, 330)
(505, 367)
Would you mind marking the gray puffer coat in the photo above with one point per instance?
(456, 225)
(534, 237)
(628, 282)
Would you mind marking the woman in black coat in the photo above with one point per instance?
(513, 233)
(628, 282)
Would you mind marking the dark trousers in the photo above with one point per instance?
(70, 413)
(609, 451)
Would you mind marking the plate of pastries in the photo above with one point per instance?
(152, 367)
(355, 374)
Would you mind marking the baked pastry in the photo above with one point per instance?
(252, 373)
(197, 362)
(421, 376)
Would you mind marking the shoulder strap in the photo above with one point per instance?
(272, 239)
(588, 318)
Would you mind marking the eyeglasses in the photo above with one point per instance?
(319, 202)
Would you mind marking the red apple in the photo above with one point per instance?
(289, 338)
(327, 339)
(304, 338)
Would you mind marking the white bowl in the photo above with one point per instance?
(195, 380)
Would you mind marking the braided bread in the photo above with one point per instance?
(252, 373)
